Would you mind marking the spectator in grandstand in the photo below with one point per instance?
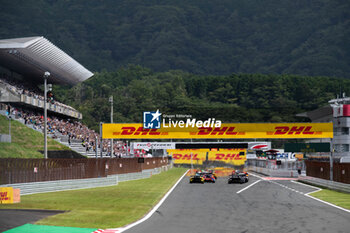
(71, 129)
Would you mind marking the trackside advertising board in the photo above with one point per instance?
(183, 156)
(226, 130)
(6, 195)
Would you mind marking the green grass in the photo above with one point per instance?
(106, 207)
(334, 197)
(26, 142)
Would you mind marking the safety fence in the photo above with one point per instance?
(277, 165)
(39, 170)
(341, 171)
(273, 168)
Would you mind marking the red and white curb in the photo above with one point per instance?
(108, 230)
(279, 178)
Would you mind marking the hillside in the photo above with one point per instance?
(216, 37)
(231, 98)
(26, 142)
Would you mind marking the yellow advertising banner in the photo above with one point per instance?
(235, 156)
(183, 156)
(227, 130)
(6, 195)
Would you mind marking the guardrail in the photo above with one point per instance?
(61, 185)
(342, 187)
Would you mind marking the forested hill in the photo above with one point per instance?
(231, 98)
(306, 37)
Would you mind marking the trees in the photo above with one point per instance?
(200, 37)
(232, 98)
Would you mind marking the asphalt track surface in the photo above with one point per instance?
(14, 218)
(267, 206)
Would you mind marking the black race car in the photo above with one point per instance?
(238, 177)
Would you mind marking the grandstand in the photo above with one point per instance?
(23, 62)
(32, 56)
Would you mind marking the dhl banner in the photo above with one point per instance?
(227, 130)
(6, 195)
(233, 156)
(184, 156)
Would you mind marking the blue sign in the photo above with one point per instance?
(151, 120)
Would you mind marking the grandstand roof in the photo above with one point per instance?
(33, 56)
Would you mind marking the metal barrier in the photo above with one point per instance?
(327, 184)
(133, 176)
(61, 185)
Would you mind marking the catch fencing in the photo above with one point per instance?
(341, 171)
(273, 164)
(273, 168)
(14, 171)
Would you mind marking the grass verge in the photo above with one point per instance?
(334, 197)
(107, 207)
(26, 142)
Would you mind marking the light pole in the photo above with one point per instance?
(331, 162)
(46, 76)
(111, 101)
(10, 139)
(101, 141)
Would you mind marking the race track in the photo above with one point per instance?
(10, 218)
(266, 206)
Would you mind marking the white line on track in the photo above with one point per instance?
(260, 177)
(248, 186)
(307, 185)
(305, 194)
(317, 190)
(154, 208)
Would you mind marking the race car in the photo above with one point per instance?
(197, 179)
(238, 177)
(245, 175)
(213, 173)
(209, 178)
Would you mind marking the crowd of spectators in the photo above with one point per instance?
(70, 129)
(74, 131)
(27, 89)
(20, 88)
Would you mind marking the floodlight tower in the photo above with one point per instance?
(111, 101)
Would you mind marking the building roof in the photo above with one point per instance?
(33, 56)
(323, 114)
